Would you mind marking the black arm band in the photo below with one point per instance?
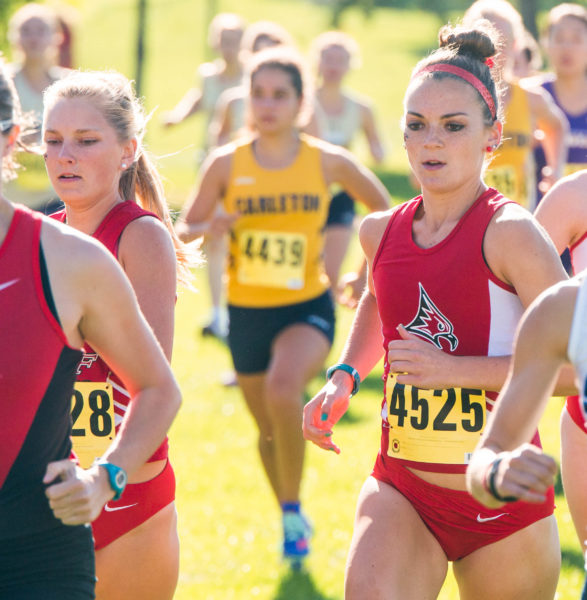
(491, 482)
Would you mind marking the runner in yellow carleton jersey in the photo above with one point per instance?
(511, 171)
(276, 245)
(274, 189)
(527, 110)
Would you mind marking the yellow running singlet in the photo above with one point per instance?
(276, 245)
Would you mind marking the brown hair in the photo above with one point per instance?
(264, 29)
(114, 96)
(467, 49)
(337, 39)
(289, 61)
(566, 9)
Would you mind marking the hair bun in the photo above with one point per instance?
(477, 43)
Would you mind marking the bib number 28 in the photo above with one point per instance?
(92, 415)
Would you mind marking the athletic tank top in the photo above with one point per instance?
(577, 136)
(577, 348)
(512, 170)
(447, 296)
(100, 400)
(276, 245)
(37, 372)
(213, 86)
(341, 128)
(579, 254)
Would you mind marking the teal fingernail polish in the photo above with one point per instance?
(323, 417)
(327, 434)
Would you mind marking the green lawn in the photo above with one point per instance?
(229, 524)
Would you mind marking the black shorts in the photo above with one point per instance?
(341, 211)
(251, 331)
(55, 564)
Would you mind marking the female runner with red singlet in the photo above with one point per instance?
(448, 280)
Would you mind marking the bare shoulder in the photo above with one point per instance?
(332, 155)
(514, 240)
(65, 245)
(147, 237)
(364, 103)
(536, 81)
(208, 70)
(219, 161)
(540, 100)
(371, 231)
(566, 197)
(512, 224)
(550, 316)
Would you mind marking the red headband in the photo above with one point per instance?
(468, 77)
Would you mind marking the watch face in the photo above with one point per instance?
(120, 479)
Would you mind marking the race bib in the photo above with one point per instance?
(504, 180)
(433, 426)
(272, 259)
(92, 415)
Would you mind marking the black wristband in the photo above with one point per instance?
(491, 482)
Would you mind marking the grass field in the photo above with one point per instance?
(229, 524)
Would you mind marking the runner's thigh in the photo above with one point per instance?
(523, 566)
(393, 555)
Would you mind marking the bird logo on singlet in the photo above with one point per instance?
(430, 324)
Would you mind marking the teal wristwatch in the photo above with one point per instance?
(116, 476)
(347, 369)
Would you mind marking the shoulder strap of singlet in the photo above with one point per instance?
(403, 209)
(114, 223)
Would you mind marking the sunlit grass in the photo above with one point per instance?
(229, 523)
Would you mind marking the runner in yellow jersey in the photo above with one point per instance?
(274, 187)
(527, 111)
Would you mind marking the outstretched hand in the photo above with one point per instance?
(326, 409)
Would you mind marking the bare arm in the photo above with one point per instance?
(189, 105)
(147, 256)
(563, 211)
(362, 350)
(96, 303)
(551, 120)
(342, 167)
(540, 351)
(221, 125)
(197, 217)
(371, 133)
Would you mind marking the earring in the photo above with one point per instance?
(490, 149)
(123, 165)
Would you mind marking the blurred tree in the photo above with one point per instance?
(443, 8)
(339, 6)
(7, 7)
(529, 11)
